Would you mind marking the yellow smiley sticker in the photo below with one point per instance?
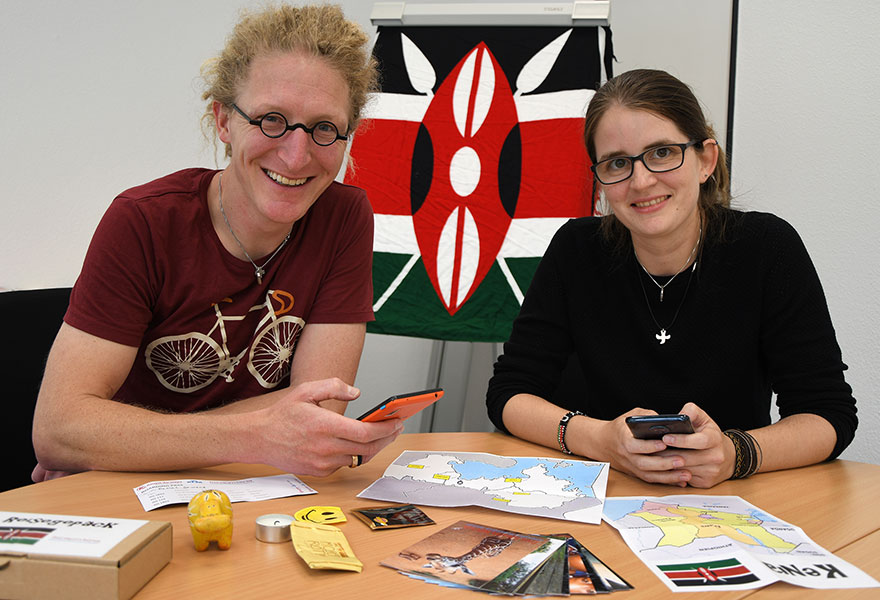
(320, 514)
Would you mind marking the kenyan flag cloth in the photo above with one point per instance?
(472, 157)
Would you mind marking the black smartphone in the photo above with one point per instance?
(402, 406)
(654, 427)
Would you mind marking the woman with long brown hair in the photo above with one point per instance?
(674, 303)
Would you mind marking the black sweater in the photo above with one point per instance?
(751, 320)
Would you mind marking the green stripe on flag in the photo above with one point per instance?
(414, 309)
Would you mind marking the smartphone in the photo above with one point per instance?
(654, 427)
(402, 406)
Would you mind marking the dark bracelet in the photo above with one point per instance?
(749, 456)
(563, 424)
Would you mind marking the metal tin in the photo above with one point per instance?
(274, 528)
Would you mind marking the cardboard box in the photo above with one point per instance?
(34, 563)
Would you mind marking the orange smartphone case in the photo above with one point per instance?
(402, 406)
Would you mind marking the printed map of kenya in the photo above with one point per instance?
(682, 525)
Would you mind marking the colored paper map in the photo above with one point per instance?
(697, 543)
(682, 525)
(572, 490)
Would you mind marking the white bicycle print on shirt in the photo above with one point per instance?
(188, 362)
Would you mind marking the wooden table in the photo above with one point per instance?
(835, 503)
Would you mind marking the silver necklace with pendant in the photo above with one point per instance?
(663, 336)
(260, 270)
(683, 267)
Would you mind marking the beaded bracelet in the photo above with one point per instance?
(749, 455)
(563, 424)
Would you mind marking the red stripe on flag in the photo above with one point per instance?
(721, 573)
(556, 176)
(382, 154)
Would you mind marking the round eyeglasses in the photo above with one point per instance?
(659, 159)
(274, 125)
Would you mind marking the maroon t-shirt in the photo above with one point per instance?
(157, 277)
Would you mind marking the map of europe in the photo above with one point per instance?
(573, 490)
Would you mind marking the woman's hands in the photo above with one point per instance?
(700, 459)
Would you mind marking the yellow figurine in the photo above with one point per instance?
(210, 519)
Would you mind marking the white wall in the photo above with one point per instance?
(805, 147)
(101, 95)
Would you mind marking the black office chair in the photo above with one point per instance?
(29, 322)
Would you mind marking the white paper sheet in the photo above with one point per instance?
(156, 494)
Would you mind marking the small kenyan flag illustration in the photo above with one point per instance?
(23, 535)
(717, 572)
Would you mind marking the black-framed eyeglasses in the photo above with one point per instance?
(658, 159)
(274, 125)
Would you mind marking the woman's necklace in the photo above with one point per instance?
(259, 271)
(694, 251)
(662, 337)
